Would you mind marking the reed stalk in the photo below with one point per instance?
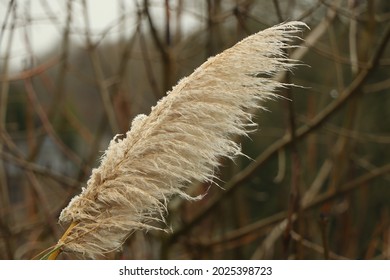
(180, 142)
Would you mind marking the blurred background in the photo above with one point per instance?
(316, 185)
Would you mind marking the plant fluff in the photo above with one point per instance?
(180, 142)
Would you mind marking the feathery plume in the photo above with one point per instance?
(181, 141)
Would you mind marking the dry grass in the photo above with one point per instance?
(181, 142)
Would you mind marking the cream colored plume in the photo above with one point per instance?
(180, 142)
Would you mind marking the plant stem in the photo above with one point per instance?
(54, 254)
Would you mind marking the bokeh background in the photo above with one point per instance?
(316, 183)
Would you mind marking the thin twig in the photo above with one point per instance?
(324, 235)
(99, 75)
(31, 72)
(47, 125)
(255, 227)
(5, 209)
(315, 247)
(57, 101)
(29, 166)
(4, 25)
(164, 48)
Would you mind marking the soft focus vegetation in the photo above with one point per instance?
(315, 184)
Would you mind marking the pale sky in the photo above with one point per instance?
(39, 23)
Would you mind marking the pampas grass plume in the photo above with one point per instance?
(180, 142)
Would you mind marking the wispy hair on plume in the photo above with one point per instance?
(180, 142)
